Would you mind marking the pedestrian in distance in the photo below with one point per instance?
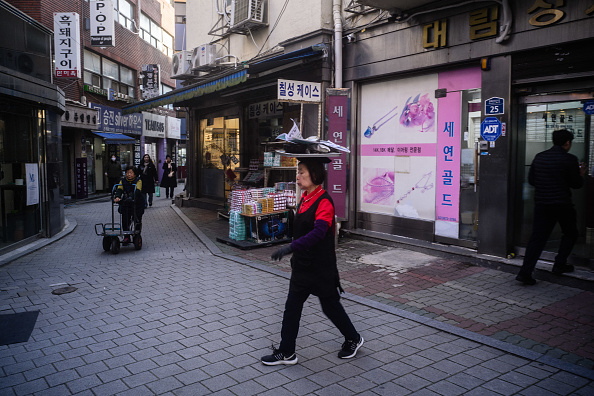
(553, 173)
(113, 171)
(313, 266)
(148, 175)
(128, 195)
(169, 179)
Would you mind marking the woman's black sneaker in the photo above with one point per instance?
(350, 348)
(277, 358)
(527, 280)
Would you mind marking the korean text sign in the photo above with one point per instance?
(337, 113)
(102, 23)
(299, 91)
(112, 120)
(67, 44)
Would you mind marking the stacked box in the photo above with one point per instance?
(269, 158)
(279, 199)
(256, 193)
(254, 164)
(291, 197)
(237, 199)
(288, 161)
(283, 186)
(251, 207)
(269, 227)
(237, 228)
(267, 205)
(277, 160)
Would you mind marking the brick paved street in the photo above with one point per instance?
(187, 316)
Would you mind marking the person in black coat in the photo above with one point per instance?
(148, 175)
(169, 179)
(553, 174)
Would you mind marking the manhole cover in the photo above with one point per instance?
(64, 290)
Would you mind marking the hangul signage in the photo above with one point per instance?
(151, 81)
(102, 23)
(112, 120)
(337, 105)
(265, 109)
(67, 44)
(299, 91)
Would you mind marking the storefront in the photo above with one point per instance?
(447, 126)
(31, 201)
(116, 135)
(78, 150)
(232, 119)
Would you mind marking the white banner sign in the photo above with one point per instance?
(173, 128)
(32, 184)
(299, 91)
(102, 23)
(67, 44)
(153, 125)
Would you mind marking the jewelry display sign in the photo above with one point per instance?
(397, 135)
(337, 113)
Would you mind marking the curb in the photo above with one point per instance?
(69, 226)
(459, 332)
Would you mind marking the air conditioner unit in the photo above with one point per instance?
(34, 65)
(181, 63)
(203, 55)
(247, 12)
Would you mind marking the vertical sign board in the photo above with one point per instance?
(151, 81)
(82, 189)
(67, 44)
(337, 112)
(137, 154)
(102, 23)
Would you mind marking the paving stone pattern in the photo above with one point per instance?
(176, 319)
(548, 318)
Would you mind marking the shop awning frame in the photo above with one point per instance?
(115, 138)
(221, 83)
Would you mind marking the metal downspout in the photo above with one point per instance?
(336, 8)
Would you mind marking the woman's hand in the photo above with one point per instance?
(116, 200)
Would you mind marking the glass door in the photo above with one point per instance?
(541, 119)
(220, 152)
(469, 162)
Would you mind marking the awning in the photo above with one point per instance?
(186, 93)
(115, 138)
(238, 77)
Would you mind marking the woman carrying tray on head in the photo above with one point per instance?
(313, 265)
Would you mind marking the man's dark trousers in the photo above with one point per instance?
(545, 218)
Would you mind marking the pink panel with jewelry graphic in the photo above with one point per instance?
(398, 138)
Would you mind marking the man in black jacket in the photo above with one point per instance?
(553, 173)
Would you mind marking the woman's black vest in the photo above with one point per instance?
(314, 270)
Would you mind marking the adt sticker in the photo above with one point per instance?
(490, 129)
(589, 107)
